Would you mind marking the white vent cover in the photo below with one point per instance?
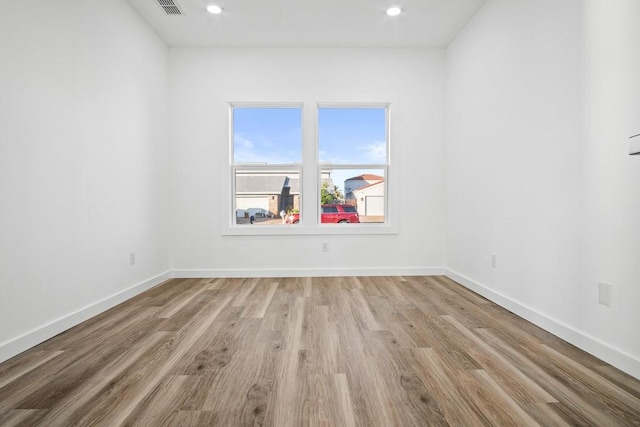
(170, 7)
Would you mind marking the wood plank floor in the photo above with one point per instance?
(366, 351)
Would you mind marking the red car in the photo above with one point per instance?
(331, 214)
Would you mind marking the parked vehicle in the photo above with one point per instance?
(331, 214)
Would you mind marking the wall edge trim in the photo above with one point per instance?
(592, 345)
(19, 344)
(308, 272)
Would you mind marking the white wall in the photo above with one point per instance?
(204, 81)
(612, 41)
(534, 181)
(83, 163)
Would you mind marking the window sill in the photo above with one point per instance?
(300, 230)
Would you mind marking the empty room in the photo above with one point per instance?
(304, 212)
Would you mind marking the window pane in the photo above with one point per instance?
(352, 195)
(267, 197)
(267, 135)
(352, 135)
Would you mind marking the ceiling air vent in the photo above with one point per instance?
(170, 7)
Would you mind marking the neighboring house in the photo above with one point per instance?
(370, 199)
(366, 192)
(360, 181)
(266, 192)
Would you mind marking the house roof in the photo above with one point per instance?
(366, 177)
(266, 184)
(367, 186)
(294, 185)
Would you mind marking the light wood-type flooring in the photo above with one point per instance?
(367, 351)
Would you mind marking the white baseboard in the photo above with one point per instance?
(310, 272)
(604, 351)
(15, 346)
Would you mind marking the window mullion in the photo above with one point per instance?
(310, 183)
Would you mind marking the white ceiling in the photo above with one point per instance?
(310, 23)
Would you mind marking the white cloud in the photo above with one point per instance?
(327, 157)
(243, 149)
(375, 152)
(248, 151)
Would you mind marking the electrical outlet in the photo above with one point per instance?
(324, 247)
(604, 294)
(494, 261)
(132, 258)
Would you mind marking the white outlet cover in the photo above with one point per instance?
(604, 294)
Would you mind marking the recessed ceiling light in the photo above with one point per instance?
(394, 11)
(215, 9)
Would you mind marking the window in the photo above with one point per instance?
(353, 153)
(266, 163)
(343, 154)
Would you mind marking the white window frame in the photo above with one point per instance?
(344, 166)
(309, 175)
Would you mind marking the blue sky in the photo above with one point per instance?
(352, 135)
(267, 135)
(345, 136)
